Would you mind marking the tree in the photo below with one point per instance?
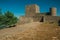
(10, 19)
(7, 19)
(2, 20)
(1, 17)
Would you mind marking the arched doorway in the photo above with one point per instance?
(42, 19)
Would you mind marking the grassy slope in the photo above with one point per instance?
(31, 31)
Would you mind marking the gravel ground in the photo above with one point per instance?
(31, 31)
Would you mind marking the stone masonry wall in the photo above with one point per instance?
(51, 19)
(24, 19)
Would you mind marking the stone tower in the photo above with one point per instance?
(31, 10)
(53, 11)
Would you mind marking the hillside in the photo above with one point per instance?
(31, 31)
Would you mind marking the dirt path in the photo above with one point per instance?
(30, 31)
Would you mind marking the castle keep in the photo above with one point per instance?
(33, 14)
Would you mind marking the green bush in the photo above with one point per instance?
(7, 19)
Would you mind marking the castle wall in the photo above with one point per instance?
(24, 19)
(38, 17)
(33, 15)
(51, 19)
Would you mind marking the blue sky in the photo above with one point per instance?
(18, 6)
